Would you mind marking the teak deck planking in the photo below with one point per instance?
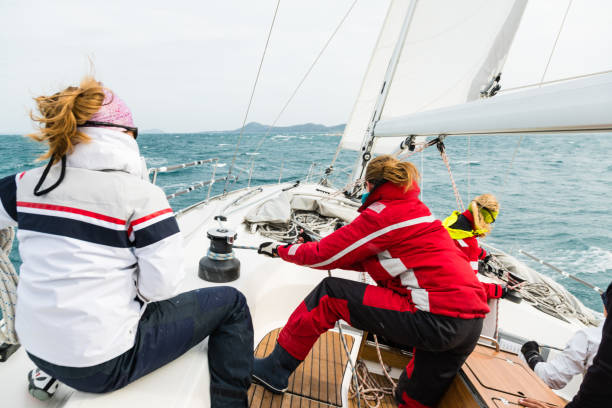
(317, 382)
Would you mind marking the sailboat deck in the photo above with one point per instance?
(317, 382)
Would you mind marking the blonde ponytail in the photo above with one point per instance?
(388, 168)
(62, 112)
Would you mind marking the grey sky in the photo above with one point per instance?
(190, 65)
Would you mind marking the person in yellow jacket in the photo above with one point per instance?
(465, 228)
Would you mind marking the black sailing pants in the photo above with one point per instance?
(169, 328)
(441, 343)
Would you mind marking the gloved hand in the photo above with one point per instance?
(487, 258)
(303, 237)
(531, 351)
(511, 295)
(269, 249)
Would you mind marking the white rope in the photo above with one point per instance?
(312, 222)
(369, 389)
(555, 81)
(8, 288)
(555, 44)
(542, 295)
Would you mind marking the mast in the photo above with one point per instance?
(368, 139)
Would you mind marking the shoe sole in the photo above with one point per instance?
(267, 386)
(39, 394)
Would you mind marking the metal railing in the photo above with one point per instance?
(166, 169)
(153, 172)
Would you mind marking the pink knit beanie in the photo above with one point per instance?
(113, 110)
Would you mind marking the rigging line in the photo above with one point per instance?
(252, 95)
(555, 81)
(446, 161)
(422, 177)
(468, 168)
(501, 194)
(316, 60)
(555, 44)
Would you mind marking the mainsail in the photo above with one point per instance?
(452, 51)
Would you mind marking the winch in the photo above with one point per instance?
(220, 264)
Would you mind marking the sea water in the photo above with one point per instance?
(554, 190)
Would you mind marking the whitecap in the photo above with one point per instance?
(591, 261)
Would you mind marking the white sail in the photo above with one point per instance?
(375, 74)
(451, 52)
(581, 105)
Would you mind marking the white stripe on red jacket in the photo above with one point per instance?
(404, 248)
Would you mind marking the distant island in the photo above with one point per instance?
(152, 132)
(255, 127)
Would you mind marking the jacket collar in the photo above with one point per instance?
(470, 217)
(391, 191)
(108, 150)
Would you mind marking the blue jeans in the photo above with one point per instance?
(169, 328)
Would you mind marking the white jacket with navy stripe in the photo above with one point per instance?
(89, 248)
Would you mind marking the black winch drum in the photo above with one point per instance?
(220, 265)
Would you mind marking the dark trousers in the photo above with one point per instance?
(167, 330)
(441, 343)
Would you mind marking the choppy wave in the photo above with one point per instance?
(554, 195)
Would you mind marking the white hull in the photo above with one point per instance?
(273, 289)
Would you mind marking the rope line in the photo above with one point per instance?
(516, 88)
(505, 179)
(246, 115)
(316, 60)
(552, 52)
(468, 168)
(450, 174)
(8, 288)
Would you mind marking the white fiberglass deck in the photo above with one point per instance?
(273, 289)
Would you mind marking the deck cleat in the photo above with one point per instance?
(41, 385)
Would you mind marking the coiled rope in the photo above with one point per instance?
(8, 289)
(553, 302)
(310, 221)
(369, 389)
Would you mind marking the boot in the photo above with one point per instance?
(273, 371)
(41, 385)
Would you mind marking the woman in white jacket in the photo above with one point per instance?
(103, 261)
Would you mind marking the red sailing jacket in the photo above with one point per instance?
(474, 252)
(403, 248)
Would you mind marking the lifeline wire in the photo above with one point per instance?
(251, 98)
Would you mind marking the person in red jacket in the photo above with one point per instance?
(427, 296)
(465, 228)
